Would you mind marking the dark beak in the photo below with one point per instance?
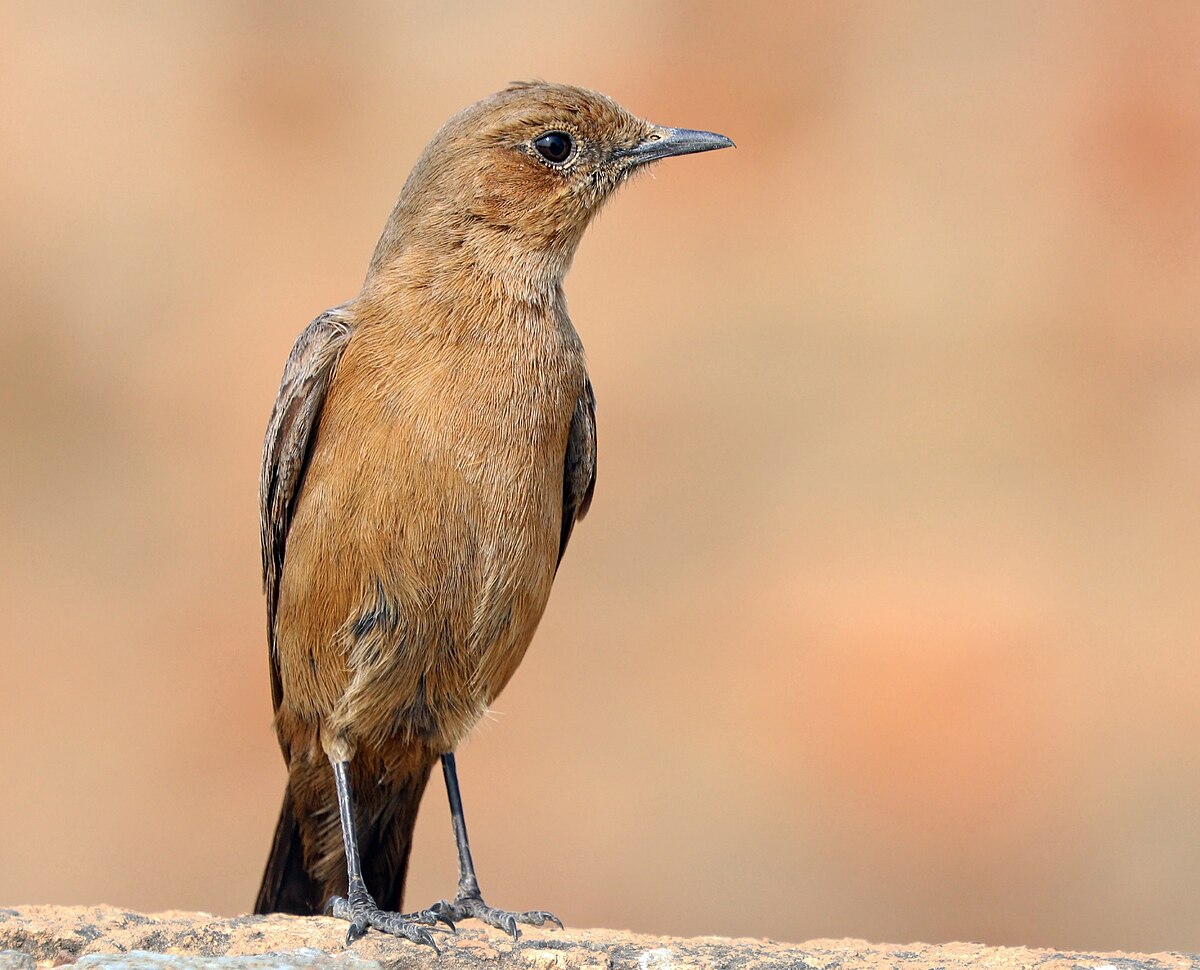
(665, 142)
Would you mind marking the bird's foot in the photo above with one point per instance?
(472, 905)
(360, 910)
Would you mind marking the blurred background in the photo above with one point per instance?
(885, 619)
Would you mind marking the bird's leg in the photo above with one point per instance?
(469, 900)
(358, 905)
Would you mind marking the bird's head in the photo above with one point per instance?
(511, 183)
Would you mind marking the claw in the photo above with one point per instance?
(424, 936)
(442, 911)
(540, 917)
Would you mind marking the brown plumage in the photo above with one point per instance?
(432, 444)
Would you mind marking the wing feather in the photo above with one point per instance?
(290, 435)
(579, 466)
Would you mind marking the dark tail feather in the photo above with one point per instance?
(287, 887)
(385, 816)
(386, 834)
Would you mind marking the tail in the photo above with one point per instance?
(385, 816)
(287, 886)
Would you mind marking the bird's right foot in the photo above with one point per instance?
(360, 910)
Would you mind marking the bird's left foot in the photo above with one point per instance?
(464, 907)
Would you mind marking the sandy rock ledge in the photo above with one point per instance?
(105, 937)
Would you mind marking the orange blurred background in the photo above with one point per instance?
(885, 620)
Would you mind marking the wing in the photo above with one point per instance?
(579, 467)
(290, 436)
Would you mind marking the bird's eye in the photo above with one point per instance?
(554, 146)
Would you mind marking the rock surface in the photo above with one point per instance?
(105, 937)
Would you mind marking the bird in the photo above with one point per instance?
(430, 449)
